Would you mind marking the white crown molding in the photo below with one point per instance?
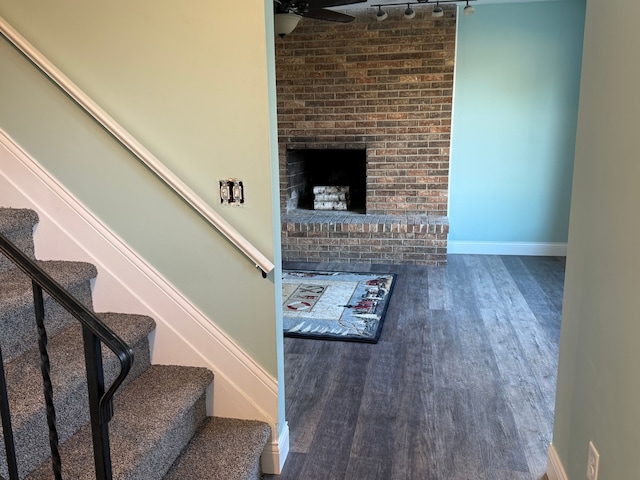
(555, 471)
(184, 335)
(507, 248)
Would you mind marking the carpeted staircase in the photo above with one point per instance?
(159, 430)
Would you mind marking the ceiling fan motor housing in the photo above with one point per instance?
(316, 9)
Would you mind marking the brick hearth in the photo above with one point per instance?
(353, 238)
(384, 87)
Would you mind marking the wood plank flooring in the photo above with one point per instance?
(460, 386)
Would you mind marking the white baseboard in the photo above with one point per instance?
(555, 471)
(125, 282)
(507, 248)
(275, 453)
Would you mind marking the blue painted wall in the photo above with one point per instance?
(514, 122)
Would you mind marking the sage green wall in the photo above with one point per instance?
(191, 81)
(598, 393)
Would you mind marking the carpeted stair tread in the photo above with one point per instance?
(155, 416)
(68, 377)
(15, 218)
(16, 286)
(17, 225)
(223, 449)
(16, 298)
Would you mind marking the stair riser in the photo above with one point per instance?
(20, 321)
(159, 460)
(72, 411)
(17, 225)
(218, 443)
(155, 417)
(23, 239)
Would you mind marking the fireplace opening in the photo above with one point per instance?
(311, 168)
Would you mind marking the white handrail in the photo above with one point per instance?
(135, 147)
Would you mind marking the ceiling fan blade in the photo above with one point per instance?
(329, 15)
(316, 4)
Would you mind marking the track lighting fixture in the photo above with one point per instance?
(409, 13)
(469, 10)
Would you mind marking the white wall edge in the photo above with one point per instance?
(184, 335)
(507, 248)
(555, 471)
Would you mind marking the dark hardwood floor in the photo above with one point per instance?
(461, 384)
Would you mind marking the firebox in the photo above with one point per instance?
(310, 169)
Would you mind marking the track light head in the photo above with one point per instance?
(409, 13)
(437, 12)
(381, 15)
(469, 10)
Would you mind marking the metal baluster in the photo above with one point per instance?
(7, 431)
(94, 334)
(45, 367)
(99, 419)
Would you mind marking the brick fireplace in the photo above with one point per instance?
(383, 90)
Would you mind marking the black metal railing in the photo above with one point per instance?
(94, 333)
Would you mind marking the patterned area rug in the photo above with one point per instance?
(335, 305)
